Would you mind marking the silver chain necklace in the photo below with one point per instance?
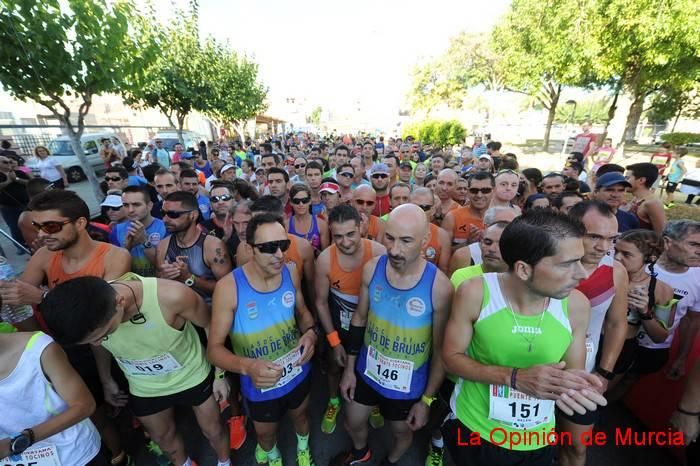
(515, 319)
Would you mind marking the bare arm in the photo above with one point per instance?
(325, 236)
(461, 258)
(657, 215)
(217, 259)
(615, 320)
(307, 255)
(321, 286)
(224, 304)
(359, 317)
(380, 232)
(184, 303)
(117, 263)
(448, 224)
(579, 316)
(445, 251)
(243, 254)
(442, 300)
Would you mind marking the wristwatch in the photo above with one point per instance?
(605, 374)
(147, 244)
(22, 441)
(190, 281)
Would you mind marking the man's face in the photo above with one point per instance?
(405, 152)
(97, 336)
(437, 164)
(404, 243)
(684, 251)
(405, 174)
(190, 185)
(267, 163)
(270, 264)
(612, 195)
(426, 201)
(345, 177)
(507, 186)
(115, 181)
(64, 238)
(490, 249)
(185, 217)
(461, 191)
(568, 202)
(393, 168)
(341, 157)
(277, 185)
(552, 186)
(634, 181)
(329, 199)
(445, 185)
(483, 164)
(240, 222)
(175, 170)
(4, 164)
(221, 201)
(165, 184)
(480, 193)
(346, 237)
(399, 196)
(601, 233)
(159, 144)
(357, 166)
(570, 172)
(314, 177)
(116, 215)
(556, 276)
(299, 166)
(368, 151)
(136, 206)
(586, 127)
(178, 148)
(229, 175)
(477, 140)
(364, 202)
(380, 181)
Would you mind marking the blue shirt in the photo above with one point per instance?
(625, 221)
(135, 180)
(139, 263)
(479, 150)
(204, 206)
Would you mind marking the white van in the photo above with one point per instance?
(170, 138)
(63, 151)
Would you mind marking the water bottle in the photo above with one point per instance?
(8, 313)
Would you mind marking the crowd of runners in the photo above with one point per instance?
(445, 289)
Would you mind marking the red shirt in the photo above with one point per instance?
(383, 206)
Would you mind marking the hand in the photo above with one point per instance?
(347, 384)
(135, 235)
(15, 292)
(604, 387)
(364, 225)
(689, 425)
(228, 228)
(418, 416)
(676, 370)
(307, 342)
(181, 264)
(169, 271)
(114, 395)
(5, 450)
(548, 381)
(221, 389)
(37, 244)
(638, 298)
(12, 176)
(474, 234)
(339, 356)
(580, 401)
(264, 373)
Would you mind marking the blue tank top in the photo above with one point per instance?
(395, 355)
(313, 236)
(265, 327)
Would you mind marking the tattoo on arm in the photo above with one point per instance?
(219, 257)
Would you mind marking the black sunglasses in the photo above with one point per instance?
(480, 190)
(380, 175)
(425, 207)
(299, 166)
(222, 198)
(115, 209)
(347, 174)
(51, 226)
(271, 247)
(303, 200)
(175, 213)
(115, 178)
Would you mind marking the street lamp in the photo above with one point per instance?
(566, 125)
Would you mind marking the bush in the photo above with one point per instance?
(681, 139)
(437, 133)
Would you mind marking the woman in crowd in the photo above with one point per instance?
(50, 168)
(302, 223)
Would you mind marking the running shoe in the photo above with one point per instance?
(376, 420)
(348, 459)
(434, 457)
(161, 459)
(260, 455)
(237, 431)
(329, 417)
(304, 458)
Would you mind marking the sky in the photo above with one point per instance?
(334, 52)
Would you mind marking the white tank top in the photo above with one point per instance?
(27, 399)
(475, 251)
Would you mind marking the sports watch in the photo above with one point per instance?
(147, 244)
(22, 441)
(190, 281)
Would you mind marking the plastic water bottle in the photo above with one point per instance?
(8, 313)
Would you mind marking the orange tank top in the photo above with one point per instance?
(343, 281)
(431, 251)
(464, 219)
(293, 258)
(94, 267)
(373, 227)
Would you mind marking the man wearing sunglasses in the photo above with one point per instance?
(364, 199)
(299, 170)
(345, 175)
(464, 225)
(117, 178)
(379, 177)
(395, 339)
(189, 255)
(261, 308)
(61, 219)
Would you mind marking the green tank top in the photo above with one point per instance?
(157, 359)
(497, 411)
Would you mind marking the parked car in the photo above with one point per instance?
(62, 149)
(170, 138)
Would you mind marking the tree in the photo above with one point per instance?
(438, 133)
(673, 104)
(63, 53)
(545, 45)
(315, 117)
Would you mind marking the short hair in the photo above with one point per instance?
(244, 204)
(183, 165)
(534, 235)
(313, 165)
(222, 184)
(120, 170)
(263, 219)
(679, 229)
(645, 170)
(267, 146)
(559, 200)
(392, 156)
(345, 165)
(267, 203)
(67, 203)
(77, 307)
(578, 156)
(609, 168)
(7, 144)
(530, 201)
(480, 176)
(138, 189)
(342, 147)
(279, 171)
(578, 211)
(578, 166)
(428, 178)
(149, 171)
(299, 188)
(245, 189)
(491, 212)
(36, 186)
(553, 175)
(400, 184)
(274, 156)
(248, 162)
(343, 213)
(509, 163)
(189, 173)
(187, 199)
(494, 145)
(533, 175)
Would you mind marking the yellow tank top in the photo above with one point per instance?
(157, 359)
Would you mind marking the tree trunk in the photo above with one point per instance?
(675, 121)
(87, 168)
(635, 113)
(553, 96)
(611, 114)
(180, 125)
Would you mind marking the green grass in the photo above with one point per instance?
(682, 211)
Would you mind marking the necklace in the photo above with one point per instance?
(530, 340)
(138, 318)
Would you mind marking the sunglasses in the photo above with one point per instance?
(380, 175)
(113, 209)
(362, 202)
(115, 178)
(51, 227)
(425, 207)
(299, 166)
(480, 190)
(347, 175)
(303, 200)
(175, 213)
(271, 247)
(222, 198)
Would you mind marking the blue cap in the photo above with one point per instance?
(187, 155)
(611, 179)
(380, 168)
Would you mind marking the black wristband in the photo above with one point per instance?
(646, 316)
(355, 338)
(607, 375)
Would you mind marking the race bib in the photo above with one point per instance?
(390, 373)
(159, 365)
(518, 410)
(34, 456)
(289, 369)
(345, 317)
